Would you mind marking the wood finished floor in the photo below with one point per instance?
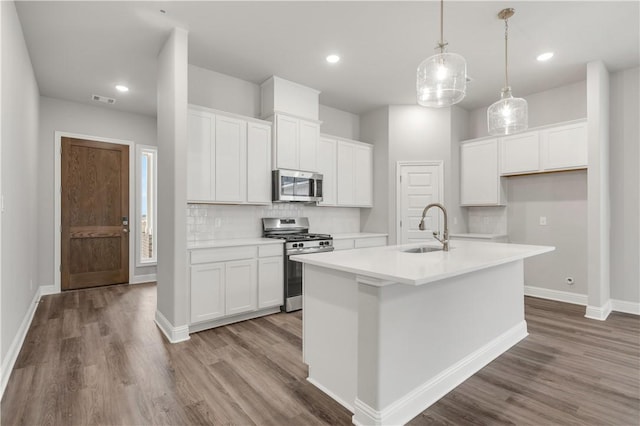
(96, 357)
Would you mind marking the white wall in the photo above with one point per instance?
(172, 181)
(73, 117)
(459, 132)
(339, 123)
(625, 185)
(223, 92)
(551, 106)
(374, 129)
(417, 133)
(562, 199)
(19, 179)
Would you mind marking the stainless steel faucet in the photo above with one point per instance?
(445, 237)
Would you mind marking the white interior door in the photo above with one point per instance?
(419, 184)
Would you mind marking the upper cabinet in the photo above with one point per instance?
(480, 183)
(295, 143)
(553, 148)
(347, 170)
(354, 174)
(228, 157)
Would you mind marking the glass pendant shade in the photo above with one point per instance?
(442, 80)
(507, 116)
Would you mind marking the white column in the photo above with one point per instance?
(598, 204)
(171, 312)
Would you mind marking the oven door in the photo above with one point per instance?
(293, 286)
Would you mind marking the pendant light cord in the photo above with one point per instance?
(506, 53)
(441, 44)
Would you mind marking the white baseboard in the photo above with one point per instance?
(339, 400)
(626, 307)
(599, 313)
(46, 290)
(141, 279)
(173, 334)
(560, 296)
(10, 359)
(416, 401)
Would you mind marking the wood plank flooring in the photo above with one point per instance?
(96, 357)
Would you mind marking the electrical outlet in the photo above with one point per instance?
(543, 220)
(455, 220)
(218, 222)
(30, 284)
(569, 281)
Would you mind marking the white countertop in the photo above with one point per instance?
(356, 235)
(233, 242)
(389, 263)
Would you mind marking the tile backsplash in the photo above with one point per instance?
(216, 222)
(487, 220)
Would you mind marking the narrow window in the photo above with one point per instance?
(147, 188)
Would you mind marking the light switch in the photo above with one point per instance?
(543, 220)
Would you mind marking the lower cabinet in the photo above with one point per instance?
(224, 289)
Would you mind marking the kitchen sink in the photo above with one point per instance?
(423, 249)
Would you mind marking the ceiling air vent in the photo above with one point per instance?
(103, 99)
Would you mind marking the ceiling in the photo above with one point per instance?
(80, 48)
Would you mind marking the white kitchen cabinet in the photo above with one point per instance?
(241, 286)
(228, 158)
(258, 163)
(480, 183)
(354, 174)
(564, 147)
(200, 154)
(234, 283)
(520, 153)
(295, 143)
(270, 281)
(548, 149)
(327, 166)
(207, 286)
(354, 241)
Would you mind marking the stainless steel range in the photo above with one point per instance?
(298, 240)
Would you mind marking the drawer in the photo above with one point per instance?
(343, 244)
(221, 254)
(270, 250)
(371, 242)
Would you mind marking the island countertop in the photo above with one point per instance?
(391, 263)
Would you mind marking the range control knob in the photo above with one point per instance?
(295, 245)
(300, 245)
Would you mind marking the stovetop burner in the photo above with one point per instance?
(301, 237)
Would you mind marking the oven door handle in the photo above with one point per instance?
(310, 251)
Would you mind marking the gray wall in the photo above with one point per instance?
(73, 117)
(374, 129)
(625, 185)
(19, 179)
(548, 107)
(562, 199)
(339, 123)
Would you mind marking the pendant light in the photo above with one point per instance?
(509, 115)
(441, 78)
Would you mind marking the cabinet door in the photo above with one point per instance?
(241, 288)
(258, 163)
(520, 153)
(286, 143)
(207, 291)
(345, 172)
(480, 184)
(565, 147)
(363, 176)
(200, 139)
(230, 159)
(270, 282)
(308, 136)
(327, 166)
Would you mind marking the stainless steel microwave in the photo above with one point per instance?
(296, 185)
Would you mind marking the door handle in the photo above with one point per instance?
(125, 230)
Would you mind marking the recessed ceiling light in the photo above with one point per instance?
(545, 56)
(121, 88)
(332, 59)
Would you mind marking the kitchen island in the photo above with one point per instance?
(387, 332)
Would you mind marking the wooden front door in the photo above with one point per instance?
(95, 213)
